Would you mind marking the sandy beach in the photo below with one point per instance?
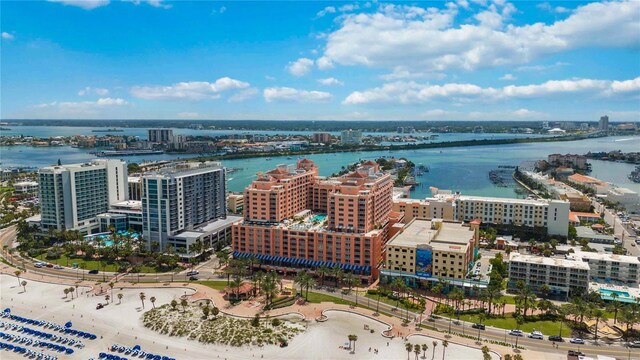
(121, 323)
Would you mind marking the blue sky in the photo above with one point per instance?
(457, 60)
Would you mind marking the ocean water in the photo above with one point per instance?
(462, 169)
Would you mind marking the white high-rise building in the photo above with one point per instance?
(351, 137)
(71, 196)
(164, 136)
(180, 200)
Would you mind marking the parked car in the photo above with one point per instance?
(556, 338)
(58, 267)
(193, 272)
(93, 271)
(193, 278)
(536, 335)
(516, 332)
(38, 265)
(575, 353)
(576, 341)
(99, 306)
(49, 265)
(634, 344)
(478, 326)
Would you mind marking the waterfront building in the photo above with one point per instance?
(598, 186)
(606, 267)
(565, 277)
(135, 187)
(323, 138)
(553, 215)
(71, 196)
(629, 199)
(294, 219)
(424, 251)
(574, 161)
(235, 203)
(25, 187)
(178, 201)
(603, 124)
(163, 136)
(561, 191)
(351, 137)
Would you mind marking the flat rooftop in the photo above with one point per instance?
(604, 257)
(424, 232)
(549, 261)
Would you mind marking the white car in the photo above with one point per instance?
(536, 335)
(516, 332)
(58, 267)
(576, 341)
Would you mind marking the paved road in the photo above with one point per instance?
(620, 230)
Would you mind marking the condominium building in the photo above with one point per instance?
(26, 187)
(609, 267)
(565, 277)
(603, 125)
(294, 219)
(323, 138)
(351, 137)
(428, 250)
(180, 198)
(71, 196)
(164, 136)
(135, 187)
(550, 214)
(574, 161)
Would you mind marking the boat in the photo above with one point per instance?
(635, 175)
(268, 159)
(289, 158)
(107, 130)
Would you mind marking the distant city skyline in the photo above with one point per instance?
(459, 60)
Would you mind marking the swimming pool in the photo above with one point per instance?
(319, 217)
(609, 292)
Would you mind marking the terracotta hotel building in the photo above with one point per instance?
(295, 219)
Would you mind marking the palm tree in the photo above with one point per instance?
(111, 284)
(322, 271)
(17, 273)
(76, 286)
(409, 348)
(353, 338)
(66, 293)
(485, 353)
(337, 274)
(120, 296)
(24, 285)
(106, 298)
(597, 315)
(398, 285)
(142, 297)
(300, 280)
(174, 304)
(205, 311)
(425, 347)
(614, 306)
(71, 292)
(215, 311)
(153, 301)
(350, 280)
(416, 349)
(445, 343)
(433, 354)
(309, 283)
(236, 283)
(184, 304)
(481, 318)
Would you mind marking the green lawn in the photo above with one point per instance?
(547, 327)
(318, 298)
(386, 300)
(218, 285)
(90, 264)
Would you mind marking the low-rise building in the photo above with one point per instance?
(424, 251)
(598, 186)
(235, 203)
(564, 277)
(610, 267)
(25, 187)
(586, 232)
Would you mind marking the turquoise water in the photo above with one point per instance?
(623, 296)
(462, 169)
(108, 243)
(319, 217)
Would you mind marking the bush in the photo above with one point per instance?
(255, 322)
(372, 292)
(276, 322)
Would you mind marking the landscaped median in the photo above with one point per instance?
(547, 327)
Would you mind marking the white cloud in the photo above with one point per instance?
(400, 73)
(324, 63)
(154, 3)
(403, 92)
(89, 90)
(508, 77)
(7, 36)
(348, 7)
(85, 4)
(269, 77)
(81, 107)
(325, 11)
(519, 114)
(540, 68)
(434, 40)
(192, 90)
(244, 95)
(287, 94)
(300, 67)
(330, 81)
(561, 9)
(547, 7)
(188, 115)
